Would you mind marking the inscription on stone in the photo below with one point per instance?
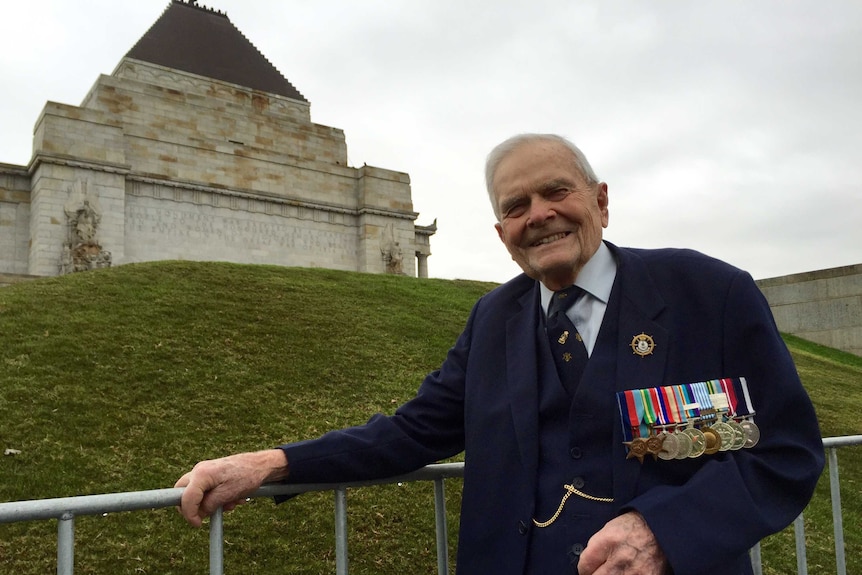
(214, 228)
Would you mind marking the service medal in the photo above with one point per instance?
(669, 447)
(637, 448)
(752, 433)
(739, 435)
(685, 445)
(698, 441)
(654, 445)
(713, 441)
(726, 433)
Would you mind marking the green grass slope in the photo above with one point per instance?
(121, 379)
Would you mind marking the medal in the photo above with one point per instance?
(631, 413)
(725, 432)
(685, 445)
(655, 444)
(752, 433)
(739, 435)
(688, 420)
(746, 411)
(637, 448)
(698, 441)
(713, 441)
(669, 446)
(678, 445)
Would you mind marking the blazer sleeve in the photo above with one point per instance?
(749, 493)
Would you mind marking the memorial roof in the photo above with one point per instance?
(203, 41)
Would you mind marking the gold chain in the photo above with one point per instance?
(570, 490)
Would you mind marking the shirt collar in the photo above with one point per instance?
(596, 278)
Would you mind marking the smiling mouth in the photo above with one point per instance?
(550, 239)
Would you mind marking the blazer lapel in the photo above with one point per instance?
(522, 374)
(640, 307)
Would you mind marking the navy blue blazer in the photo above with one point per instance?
(708, 320)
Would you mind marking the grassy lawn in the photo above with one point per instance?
(121, 379)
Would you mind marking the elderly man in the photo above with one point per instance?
(605, 400)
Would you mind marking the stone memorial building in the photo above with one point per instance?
(197, 148)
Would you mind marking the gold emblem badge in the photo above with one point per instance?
(642, 345)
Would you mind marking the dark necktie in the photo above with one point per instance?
(567, 345)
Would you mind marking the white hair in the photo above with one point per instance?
(507, 147)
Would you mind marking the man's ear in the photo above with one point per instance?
(602, 199)
(499, 229)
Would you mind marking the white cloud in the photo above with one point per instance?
(730, 127)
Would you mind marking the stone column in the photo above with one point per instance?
(423, 264)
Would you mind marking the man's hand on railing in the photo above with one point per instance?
(227, 481)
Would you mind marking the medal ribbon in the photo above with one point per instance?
(629, 414)
(687, 402)
(743, 408)
(624, 416)
(730, 392)
(745, 394)
(637, 400)
(658, 401)
(649, 409)
(672, 404)
(701, 393)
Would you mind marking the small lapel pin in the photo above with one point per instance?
(642, 345)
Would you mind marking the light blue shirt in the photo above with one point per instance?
(596, 278)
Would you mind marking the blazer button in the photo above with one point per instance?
(575, 553)
(575, 452)
(578, 482)
(522, 528)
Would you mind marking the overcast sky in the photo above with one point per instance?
(731, 127)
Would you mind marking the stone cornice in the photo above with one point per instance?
(195, 193)
(14, 170)
(43, 158)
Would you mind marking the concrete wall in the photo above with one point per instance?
(821, 306)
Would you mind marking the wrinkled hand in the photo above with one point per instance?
(227, 481)
(624, 546)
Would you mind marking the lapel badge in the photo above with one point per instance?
(642, 345)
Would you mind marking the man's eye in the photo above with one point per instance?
(515, 211)
(558, 194)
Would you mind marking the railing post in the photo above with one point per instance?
(756, 560)
(66, 544)
(837, 521)
(441, 527)
(341, 531)
(799, 536)
(217, 542)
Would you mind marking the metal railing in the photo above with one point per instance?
(66, 509)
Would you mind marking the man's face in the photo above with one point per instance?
(551, 220)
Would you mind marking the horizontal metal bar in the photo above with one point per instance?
(842, 441)
(88, 504)
(158, 498)
(67, 508)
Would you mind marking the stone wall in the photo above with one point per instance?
(14, 219)
(821, 306)
(161, 164)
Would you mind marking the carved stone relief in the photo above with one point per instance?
(82, 250)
